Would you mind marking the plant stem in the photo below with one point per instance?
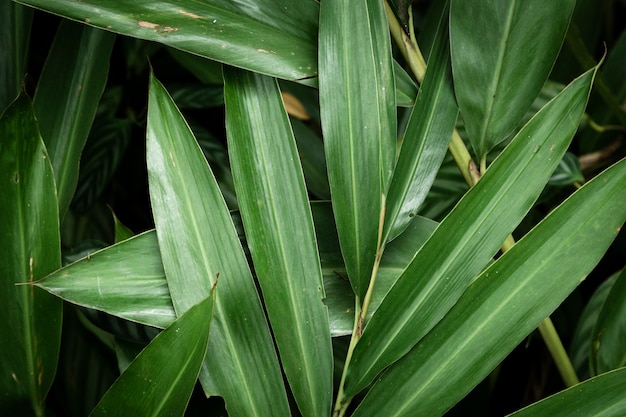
(561, 359)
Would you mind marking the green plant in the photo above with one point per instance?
(331, 262)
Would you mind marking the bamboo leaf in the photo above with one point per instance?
(14, 38)
(502, 54)
(468, 237)
(165, 372)
(426, 139)
(67, 98)
(279, 229)
(599, 396)
(29, 225)
(505, 303)
(608, 346)
(198, 242)
(357, 104)
(275, 37)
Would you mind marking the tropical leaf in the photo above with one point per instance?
(31, 332)
(165, 372)
(358, 113)
(198, 242)
(67, 97)
(502, 54)
(275, 37)
(279, 229)
(505, 303)
(468, 237)
(14, 38)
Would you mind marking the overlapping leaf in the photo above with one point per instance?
(198, 242)
(502, 53)
(505, 303)
(67, 97)
(468, 237)
(279, 230)
(14, 37)
(30, 335)
(357, 104)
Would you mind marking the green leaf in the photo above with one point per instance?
(159, 382)
(121, 231)
(468, 237)
(502, 53)
(313, 159)
(198, 242)
(113, 281)
(609, 333)
(406, 89)
(67, 97)
(275, 37)
(505, 303)
(279, 229)
(14, 38)
(29, 225)
(358, 113)
(426, 139)
(599, 396)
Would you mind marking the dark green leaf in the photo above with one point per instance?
(279, 229)
(502, 53)
(468, 237)
(29, 225)
(14, 38)
(425, 140)
(275, 37)
(568, 171)
(198, 242)
(67, 97)
(358, 112)
(313, 159)
(159, 382)
(599, 396)
(505, 303)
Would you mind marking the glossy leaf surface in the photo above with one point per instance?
(165, 372)
(468, 237)
(67, 97)
(502, 53)
(505, 303)
(29, 225)
(276, 214)
(198, 242)
(594, 397)
(357, 104)
(425, 140)
(275, 37)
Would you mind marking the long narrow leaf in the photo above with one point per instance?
(198, 242)
(159, 382)
(275, 37)
(279, 229)
(67, 97)
(505, 303)
(30, 334)
(426, 138)
(599, 396)
(502, 53)
(14, 38)
(469, 236)
(357, 105)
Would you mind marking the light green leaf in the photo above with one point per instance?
(275, 37)
(502, 53)
(198, 242)
(358, 112)
(426, 139)
(279, 229)
(608, 346)
(505, 303)
(601, 396)
(14, 38)
(468, 237)
(30, 335)
(159, 382)
(67, 97)
(113, 281)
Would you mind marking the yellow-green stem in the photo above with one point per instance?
(561, 359)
